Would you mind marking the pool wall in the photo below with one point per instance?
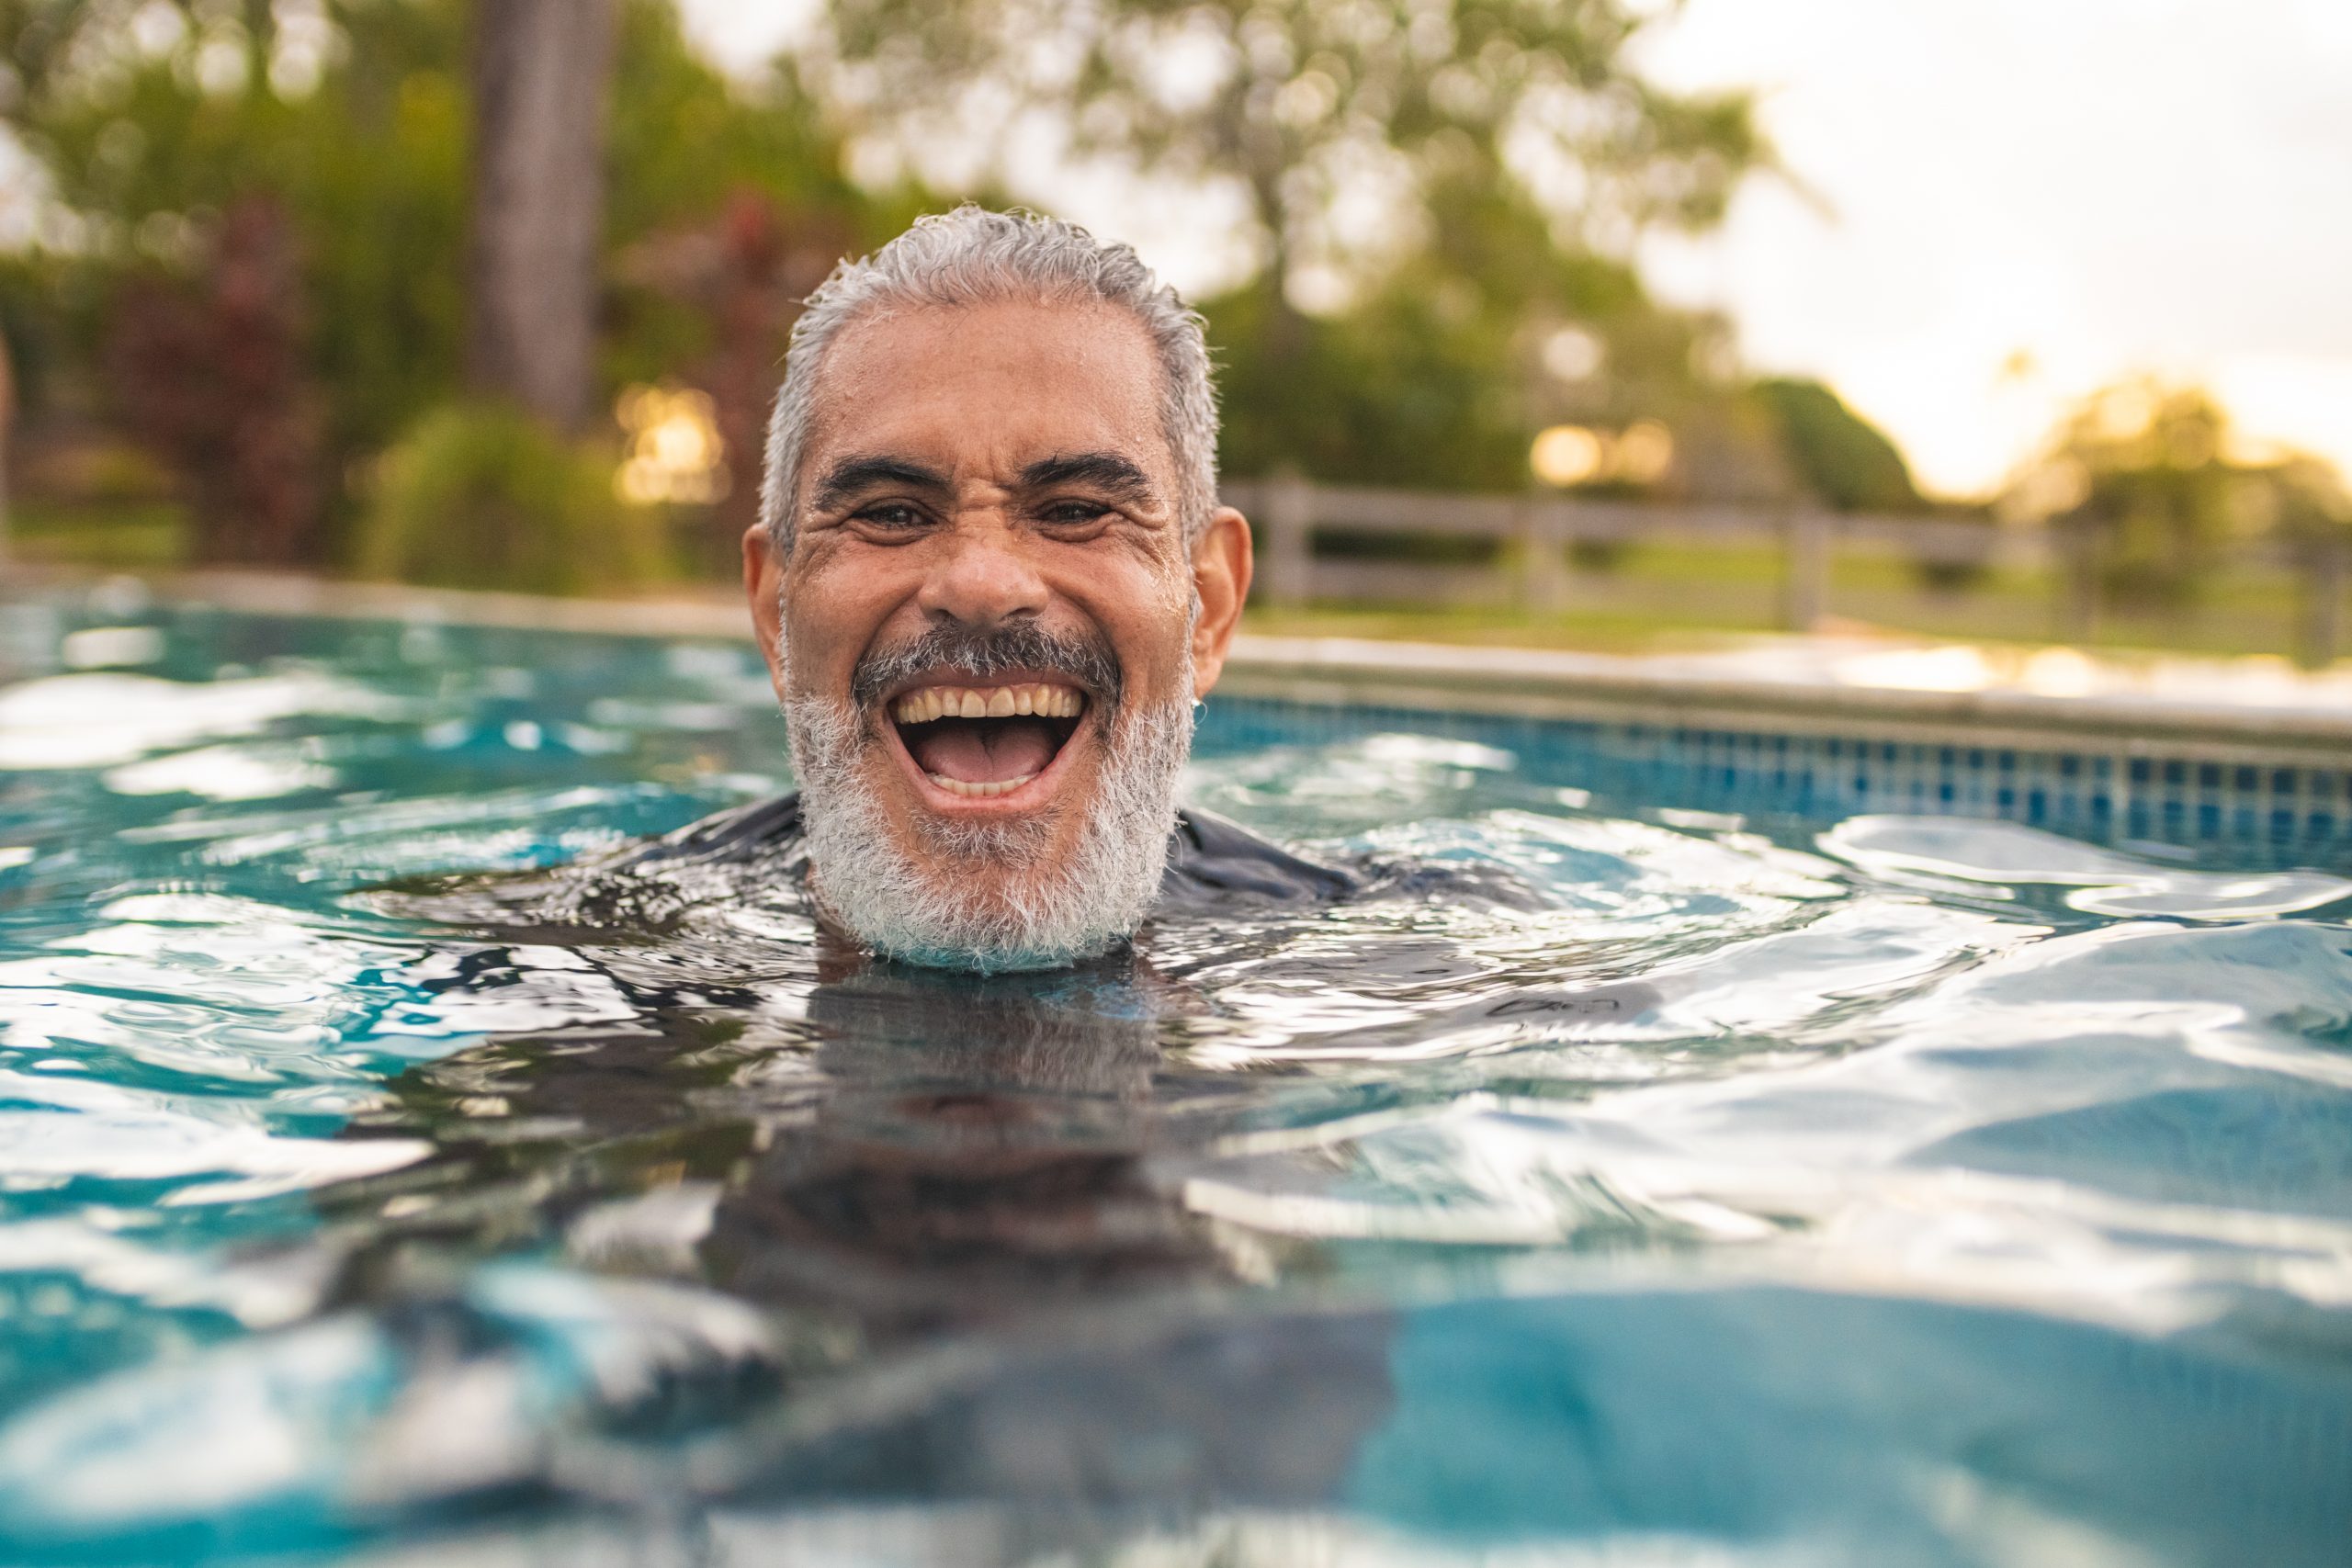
(2272, 781)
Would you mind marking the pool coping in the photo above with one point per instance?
(1665, 691)
(1675, 691)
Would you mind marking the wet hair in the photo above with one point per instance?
(974, 256)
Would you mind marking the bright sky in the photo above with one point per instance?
(2106, 186)
(2109, 185)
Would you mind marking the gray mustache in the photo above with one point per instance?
(1088, 662)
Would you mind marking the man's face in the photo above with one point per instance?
(986, 633)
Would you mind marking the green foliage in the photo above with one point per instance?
(480, 495)
(149, 122)
(1299, 101)
(1845, 461)
(128, 536)
(2145, 485)
(1434, 379)
(381, 199)
(2301, 499)
(210, 372)
(1516, 143)
(685, 141)
(2152, 498)
(148, 134)
(1385, 395)
(682, 137)
(1513, 148)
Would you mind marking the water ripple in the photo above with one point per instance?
(1614, 1181)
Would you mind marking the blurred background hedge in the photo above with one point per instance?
(286, 287)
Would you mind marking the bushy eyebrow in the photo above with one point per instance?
(1106, 472)
(852, 476)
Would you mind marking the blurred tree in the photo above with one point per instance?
(149, 121)
(2156, 496)
(212, 373)
(1510, 148)
(744, 275)
(1441, 373)
(730, 204)
(2301, 499)
(1845, 461)
(2140, 479)
(1438, 190)
(540, 71)
(1304, 105)
(1430, 379)
(8, 409)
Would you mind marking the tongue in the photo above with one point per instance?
(983, 750)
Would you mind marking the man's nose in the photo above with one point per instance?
(982, 578)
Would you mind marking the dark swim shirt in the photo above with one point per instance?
(1212, 863)
(756, 856)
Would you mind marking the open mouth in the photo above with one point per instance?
(983, 741)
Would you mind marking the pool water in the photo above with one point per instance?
(1661, 1164)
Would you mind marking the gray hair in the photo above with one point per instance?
(972, 256)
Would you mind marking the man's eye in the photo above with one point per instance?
(891, 514)
(1073, 512)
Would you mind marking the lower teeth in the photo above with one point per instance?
(958, 786)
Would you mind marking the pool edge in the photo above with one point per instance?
(1673, 689)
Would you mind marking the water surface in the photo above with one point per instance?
(1661, 1163)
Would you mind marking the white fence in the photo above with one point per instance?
(1535, 568)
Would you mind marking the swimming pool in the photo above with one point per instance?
(1707, 1147)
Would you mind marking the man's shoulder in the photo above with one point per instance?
(741, 832)
(1212, 862)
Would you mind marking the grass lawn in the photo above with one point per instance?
(143, 537)
(1675, 595)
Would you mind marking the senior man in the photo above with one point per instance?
(992, 582)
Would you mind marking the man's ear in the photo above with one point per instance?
(1222, 562)
(764, 585)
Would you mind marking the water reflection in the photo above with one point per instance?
(917, 1153)
(1653, 1161)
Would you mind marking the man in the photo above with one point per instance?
(992, 582)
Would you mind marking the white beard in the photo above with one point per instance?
(1032, 913)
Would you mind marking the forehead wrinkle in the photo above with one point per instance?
(907, 363)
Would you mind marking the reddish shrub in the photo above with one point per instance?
(208, 371)
(746, 271)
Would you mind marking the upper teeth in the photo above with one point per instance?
(987, 701)
(981, 788)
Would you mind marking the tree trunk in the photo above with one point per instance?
(540, 73)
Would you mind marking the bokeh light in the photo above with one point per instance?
(1645, 452)
(1568, 454)
(675, 451)
(1574, 353)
